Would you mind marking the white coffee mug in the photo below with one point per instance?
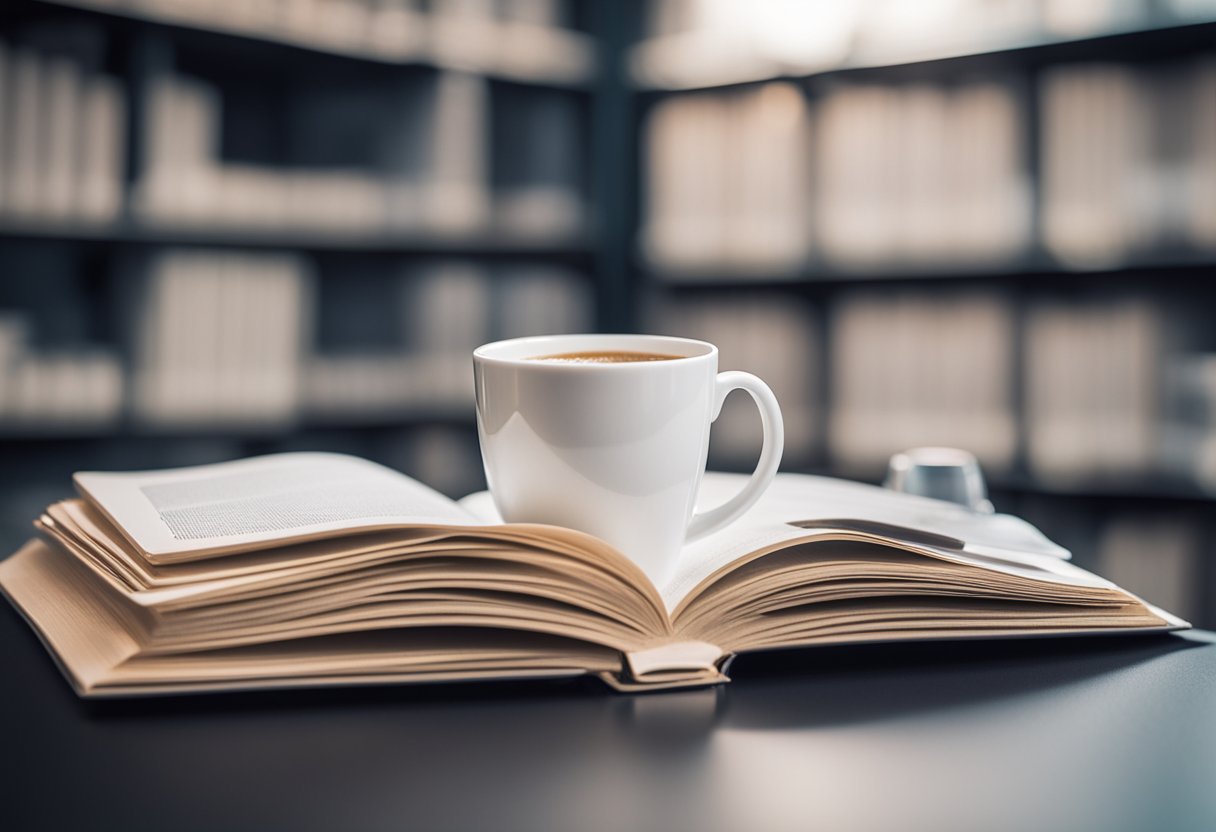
(618, 449)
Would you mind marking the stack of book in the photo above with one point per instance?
(317, 569)
(1093, 387)
(921, 174)
(221, 338)
(1153, 184)
(433, 174)
(727, 182)
(63, 146)
(914, 369)
(68, 387)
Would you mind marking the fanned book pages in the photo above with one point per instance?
(321, 569)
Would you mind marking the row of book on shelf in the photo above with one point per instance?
(228, 339)
(865, 174)
(1113, 386)
(62, 139)
(1118, 386)
(449, 155)
(698, 43)
(1109, 386)
(521, 39)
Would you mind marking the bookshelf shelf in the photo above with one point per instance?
(546, 56)
(18, 434)
(1161, 35)
(1179, 264)
(487, 245)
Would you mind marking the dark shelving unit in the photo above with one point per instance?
(1181, 267)
(133, 233)
(135, 45)
(612, 110)
(1069, 509)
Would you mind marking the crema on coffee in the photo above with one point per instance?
(605, 357)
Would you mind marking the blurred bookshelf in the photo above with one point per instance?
(232, 227)
(976, 223)
(983, 223)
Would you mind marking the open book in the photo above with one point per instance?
(320, 569)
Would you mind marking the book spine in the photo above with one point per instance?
(685, 664)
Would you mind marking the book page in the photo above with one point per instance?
(822, 503)
(270, 499)
(826, 506)
(481, 505)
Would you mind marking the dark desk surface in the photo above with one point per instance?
(1100, 734)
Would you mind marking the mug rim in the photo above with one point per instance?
(488, 352)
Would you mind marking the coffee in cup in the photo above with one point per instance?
(606, 357)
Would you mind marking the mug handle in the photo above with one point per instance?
(705, 522)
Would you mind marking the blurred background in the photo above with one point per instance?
(231, 227)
